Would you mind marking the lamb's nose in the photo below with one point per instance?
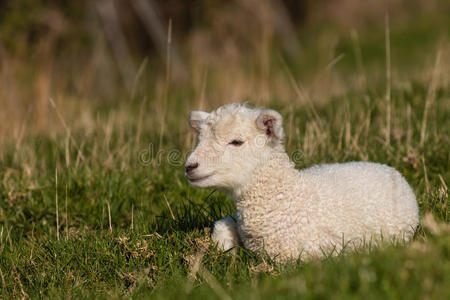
(191, 167)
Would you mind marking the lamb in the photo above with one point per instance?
(290, 213)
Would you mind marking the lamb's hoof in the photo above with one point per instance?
(225, 233)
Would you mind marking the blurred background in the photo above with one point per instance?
(70, 60)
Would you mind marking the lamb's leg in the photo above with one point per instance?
(225, 233)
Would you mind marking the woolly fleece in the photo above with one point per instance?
(290, 213)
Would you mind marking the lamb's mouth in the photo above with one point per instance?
(197, 179)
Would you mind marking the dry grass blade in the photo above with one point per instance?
(109, 217)
(214, 284)
(427, 183)
(67, 218)
(64, 124)
(195, 264)
(56, 204)
(431, 94)
(388, 81)
(301, 94)
(170, 208)
(444, 185)
(138, 76)
(16, 274)
(132, 217)
(3, 278)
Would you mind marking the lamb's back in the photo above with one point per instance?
(357, 199)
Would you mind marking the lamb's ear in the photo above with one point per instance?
(197, 117)
(270, 122)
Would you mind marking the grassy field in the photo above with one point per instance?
(93, 200)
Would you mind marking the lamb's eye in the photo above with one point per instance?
(236, 142)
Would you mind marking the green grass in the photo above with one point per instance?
(148, 252)
(157, 242)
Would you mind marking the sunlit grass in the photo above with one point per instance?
(130, 225)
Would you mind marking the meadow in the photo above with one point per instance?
(93, 199)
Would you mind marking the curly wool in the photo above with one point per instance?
(320, 210)
(290, 213)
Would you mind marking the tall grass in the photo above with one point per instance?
(93, 198)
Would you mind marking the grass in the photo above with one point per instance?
(95, 204)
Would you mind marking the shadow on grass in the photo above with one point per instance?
(190, 216)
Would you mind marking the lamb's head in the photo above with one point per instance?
(232, 141)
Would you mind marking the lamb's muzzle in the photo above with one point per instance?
(287, 212)
(190, 168)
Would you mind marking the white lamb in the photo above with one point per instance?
(293, 213)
